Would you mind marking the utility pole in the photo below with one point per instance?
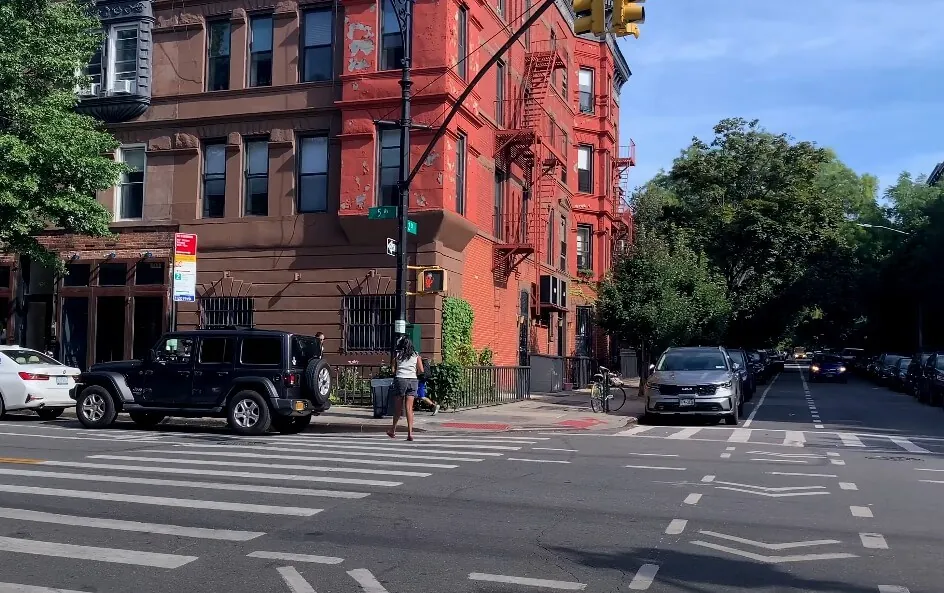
(404, 10)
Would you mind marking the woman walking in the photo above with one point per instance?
(407, 364)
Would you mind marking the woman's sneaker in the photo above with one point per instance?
(435, 409)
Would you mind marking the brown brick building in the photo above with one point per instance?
(253, 124)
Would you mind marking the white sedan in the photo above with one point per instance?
(31, 380)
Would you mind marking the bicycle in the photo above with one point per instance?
(607, 393)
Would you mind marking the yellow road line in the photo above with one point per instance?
(20, 460)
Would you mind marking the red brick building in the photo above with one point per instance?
(254, 124)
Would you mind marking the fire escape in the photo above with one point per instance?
(623, 224)
(534, 145)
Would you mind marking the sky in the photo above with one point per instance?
(862, 77)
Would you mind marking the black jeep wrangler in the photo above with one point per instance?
(256, 379)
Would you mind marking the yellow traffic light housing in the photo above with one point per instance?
(431, 280)
(627, 16)
(591, 17)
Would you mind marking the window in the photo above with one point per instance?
(131, 190)
(391, 41)
(499, 206)
(585, 85)
(313, 175)
(584, 173)
(461, 147)
(257, 178)
(225, 312)
(564, 85)
(77, 275)
(261, 351)
(551, 220)
(368, 323)
(214, 180)
(584, 247)
(562, 264)
(95, 68)
(389, 167)
(217, 351)
(113, 274)
(175, 350)
(500, 93)
(304, 349)
(218, 56)
(149, 273)
(318, 54)
(563, 177)
(260, 51)
(462, 67)
(123, 58)
(585, 331)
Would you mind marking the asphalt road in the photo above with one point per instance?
(823, 488)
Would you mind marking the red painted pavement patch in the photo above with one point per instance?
(582, 423)
(476, 426)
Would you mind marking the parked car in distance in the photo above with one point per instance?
(698, 381)
(33, 381)
(256, 379)
(887, 368)
(915, 372)
(828, 367)
(899, 374)
(931, 386)
(746, 372)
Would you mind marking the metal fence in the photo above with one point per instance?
(352, 383)
(578, 370)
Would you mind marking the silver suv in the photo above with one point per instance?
(700, 381)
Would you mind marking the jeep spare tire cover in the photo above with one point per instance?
(318, 381)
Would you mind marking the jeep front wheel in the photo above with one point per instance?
(249, 413)
(96, 408)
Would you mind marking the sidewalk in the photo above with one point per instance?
(567, 410)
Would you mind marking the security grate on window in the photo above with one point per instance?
(368, 322)
(226, 312)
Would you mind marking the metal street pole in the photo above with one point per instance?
(406, 29)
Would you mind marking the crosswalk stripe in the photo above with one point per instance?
(59, 437)
(173, 483)
(18, 588)
(850, 440)
(295, 557)
(294, 580)
(793, 438)
(299, 458)
(398, 445)
(908, 445)
(426, 438)
(341, 452)
(634, 431)
(739, 435)
(136, 526)
(110, 555)
(185, 503)
(314, 468)
(685, 433)
(225, 473)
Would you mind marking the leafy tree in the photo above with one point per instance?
(52, 160)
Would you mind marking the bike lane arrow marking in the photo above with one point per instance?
(775, 547)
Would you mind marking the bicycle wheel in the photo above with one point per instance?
(596, 397)
(617, 398)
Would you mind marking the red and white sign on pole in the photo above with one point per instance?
(185, 267)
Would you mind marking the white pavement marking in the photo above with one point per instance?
(725, 456)
(765, 488)
(692, 499)
(303, 458)
(873, 541)
(865, 512)
(730, 448)
(500, 578)
(327, 454)
(850, 440)
(295, 557)
(790, 455)
(774, 547)
(665, 467)
(644, 577)
(366, 580)
(536, 460)
(229, 474)
(655, 454)
(772, 559)
(17, 588)
(295, 581)
(175, 483)
(760, 402)
(740, 435)
(552, 449)
(892, 589)
(685, 433)
(119, 525)
(634, 431)
(314, 468)
(848, 486)
(775, 460)
(396, 445)
(803, 475)
(818, 426)
(837, 462)
(676, 526)
(426, 438)
(908, 445)
(111, 555)
(832, 454)
(708, 479)
(185, 503)
(793, 438)
(49, 436)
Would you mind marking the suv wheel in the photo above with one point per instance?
(318, 381)
(734, 416)
(96, 408)
(291, 424)
(146, 419)
(249, 413)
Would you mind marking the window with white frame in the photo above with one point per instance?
(585, 86)
(257, 178)
(313, 174)
(131, 188)
(584, 168)
(123, 58)
(218, 48)
(584, 247)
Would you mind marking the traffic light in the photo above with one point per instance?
(627, 16)
(431, 280)
(591, 17)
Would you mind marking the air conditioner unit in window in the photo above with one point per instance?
(123, 87)
(91, 90)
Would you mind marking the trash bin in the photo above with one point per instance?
(380, 391)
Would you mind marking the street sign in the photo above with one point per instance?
(185, 267)
(391, 247)
(411, 227)
(382, 212)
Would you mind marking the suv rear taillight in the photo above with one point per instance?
(290, 379)
(32, 377)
